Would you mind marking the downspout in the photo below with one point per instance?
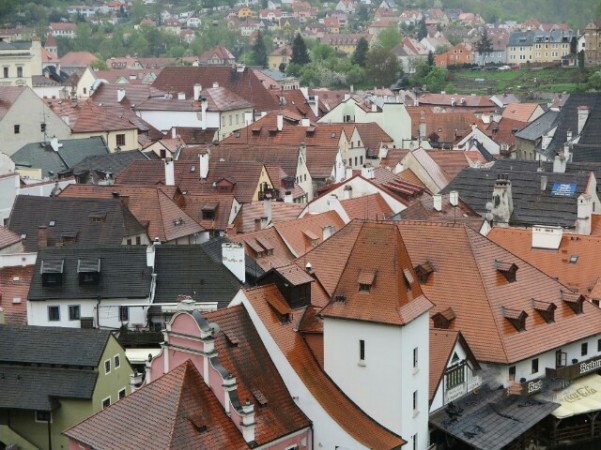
(98, 299)
(50, 431)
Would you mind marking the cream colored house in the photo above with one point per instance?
(19, 61)
(538, 46)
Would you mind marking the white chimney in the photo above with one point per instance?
(267, 209)
(204, 105)
(584, 214)
(169, 173)
(120, 95)
(232, 256)
(582, 117)
(173, 133)
(197, 88)
(288, 197)
(335, 205)
(437, 202)
(374, 108)
(328, 231)
(181, 95)
(203, 166)
(368, 172)
(215, 84)
(305, 122)
(280, 122)
(454, 198)
(248, 421)
(544, 179)
(559, 163)
(502, 201)
(348, 192)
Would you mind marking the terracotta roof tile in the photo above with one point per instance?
(244, 83)
(442, 343)
(280, 212)
(448, 124)
(279, 256)
(220, 204)
(302, 360)
(87, 117)
(522, 112)
(574, 263)
(367, 207)
(166, 413)
(7, 237)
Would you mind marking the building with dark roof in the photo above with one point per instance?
(52, 378)
(53, 159)
(98, 287)
(73, 222)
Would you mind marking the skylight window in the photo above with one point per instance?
(573, 259)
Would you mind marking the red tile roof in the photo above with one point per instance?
(150, 205)
(449, 124)
(266, 247)
(280, 212)
(78, 59)
(332, 400)
(7, 237)
(243, 83)
(222, 204)
(242, 352)
(171, 412)
(522, 112)
(84, 117)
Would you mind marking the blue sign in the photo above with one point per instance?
(563, 189)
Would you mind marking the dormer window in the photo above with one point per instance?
(507, 269)
(97, 216)
(573, 300)
(88, 270)
(443, 318)
(516, 317)
(423, 271)
(209, 211)
(545, 309)
(52, 272)
(366, 279)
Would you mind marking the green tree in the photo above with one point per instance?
(360, 54)
(137, 11)
(383, 67)
(484, 45)
(300, 54)
(422, 31)
(259, 51)
(389, 38)
(436, 80)
(430, 59)
(581, 60)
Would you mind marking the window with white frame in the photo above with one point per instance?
(107, 366)
(122, 393)
(117, 359)
(106, 402)
(43, 416)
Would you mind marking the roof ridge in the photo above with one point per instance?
(184, 377)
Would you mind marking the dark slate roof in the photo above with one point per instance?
(531, 205)
(36, 388)
(72, 215)
(41, 155)
(51, 345)
(97, 167)
(189, 270)
(538, 127)
(489, 419)
(588, 147)
(213, 249)
(123, 273)
(568, 120)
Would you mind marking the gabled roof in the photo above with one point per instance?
(188, 415)
(448, 124)
(251, 212)
(85, 117)
(466, 278)
(532, 206)
(77, 59)
(60, 346)
(134, 94)
(187, 270)
(98, 167)
(538, 127)
(72, 215)
(220, 204)
(423, 209)
(123, 274)
(151, 205)
(244, 83)
(393, 296)
(70, 152)
(242, 352)
(8, 238)
(266, 247)
(292, 344)
(8, 96)
(522, 112)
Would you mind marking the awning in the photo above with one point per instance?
(580, 397)
(490, 419)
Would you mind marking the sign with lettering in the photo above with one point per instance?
(563, 189)
(589, 366)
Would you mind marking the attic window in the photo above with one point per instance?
(507, 269)
(198, 422)
(98, 215)
(423, 271)
(256, 131)
(88, 270)
(545, 309)
(52, 223)
(273, 131)
(281, 308)
(310, 235)
(573, 300)
(516, 317)
(366, 279)
(573, 259)
(208, 211)
(266, 244)
(52, 272)
(333, 135)
(310, 131)
(179, 221)
(444, 318)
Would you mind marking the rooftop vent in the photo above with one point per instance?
(507, 269)
(516, 317)
(444, 318)
(545, 309)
